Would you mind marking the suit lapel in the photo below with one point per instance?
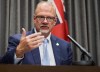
(56, 49)
(36, 56)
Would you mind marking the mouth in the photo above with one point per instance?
(43, 27)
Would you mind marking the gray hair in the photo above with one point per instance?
(45, 2)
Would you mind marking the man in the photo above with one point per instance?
(27, 48)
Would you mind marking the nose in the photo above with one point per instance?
(45, 20)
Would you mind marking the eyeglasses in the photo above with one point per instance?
(48, 18)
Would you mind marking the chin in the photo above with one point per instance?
(44, 31)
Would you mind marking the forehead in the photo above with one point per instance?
(46, 8)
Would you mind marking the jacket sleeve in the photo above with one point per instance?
(8, 58)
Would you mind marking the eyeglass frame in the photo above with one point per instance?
(48, 18)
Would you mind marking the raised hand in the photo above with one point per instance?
(28, 43)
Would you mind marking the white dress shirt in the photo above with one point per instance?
(50, 51)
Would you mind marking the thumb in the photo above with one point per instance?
(23, 33)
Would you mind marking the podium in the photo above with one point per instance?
(32, 68)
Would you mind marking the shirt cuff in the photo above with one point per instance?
(16, 60)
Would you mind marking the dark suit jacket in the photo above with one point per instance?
(62, 52)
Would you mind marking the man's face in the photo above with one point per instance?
(45, 19)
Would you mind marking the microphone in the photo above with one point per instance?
(84, 51)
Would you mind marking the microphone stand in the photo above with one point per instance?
(84, 52)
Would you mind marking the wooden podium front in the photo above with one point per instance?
(31, 68)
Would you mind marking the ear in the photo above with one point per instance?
(34, 19)
(55, 21)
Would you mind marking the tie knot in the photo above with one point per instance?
(46, 41)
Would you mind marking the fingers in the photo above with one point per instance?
(28, 42)
(35, 40)
(23, 33)
(35, 43)
(34, 35)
